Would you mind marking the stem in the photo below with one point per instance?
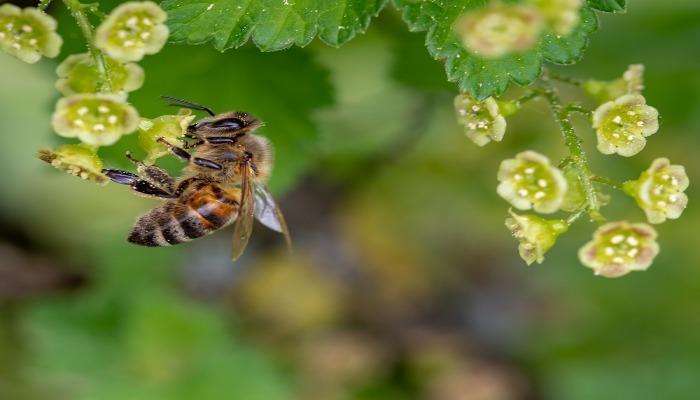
(76, 9)
(573, 107)
(565, 79)
(576, 153)
(607, 181)
(573, 217)
(43, 5)
(533, 94)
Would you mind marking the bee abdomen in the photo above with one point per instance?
(175, 223)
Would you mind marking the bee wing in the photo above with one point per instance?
(243, 227)
(269, 214)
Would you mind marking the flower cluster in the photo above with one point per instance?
(631, 82)
(499, 29)
(95, 119)
(28, 34)
(78, 74)
(133, 30)
(622, 125)
(96, 84)
(529, 181)
(76, 159)
(482, 121)
(618, 248)
(561, 15)
(659, 190)
(535, 234)
(169, 127)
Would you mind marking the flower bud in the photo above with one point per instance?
(133, 30)
(170, 127)
(78, 74)
(76, 159)
(623, 125)
(499, 30)
(618, 248)
(631, 82)
(536, 235)
(659, 191)
(28, 33)
(95, 119)
(481, 120)
(530, 181)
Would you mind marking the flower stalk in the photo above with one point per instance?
(77, 10)
(573, 142)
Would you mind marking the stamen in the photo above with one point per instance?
(617, 239)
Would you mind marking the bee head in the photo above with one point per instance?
(225, 124)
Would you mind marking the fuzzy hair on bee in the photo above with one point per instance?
(224, 183)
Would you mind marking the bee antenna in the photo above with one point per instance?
(174, 101)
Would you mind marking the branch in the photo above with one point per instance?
(576, 153)
(76, 9)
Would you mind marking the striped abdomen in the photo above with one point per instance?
(198, 212)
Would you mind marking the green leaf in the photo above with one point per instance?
(608, 5)
(271, 24)
(489, 77)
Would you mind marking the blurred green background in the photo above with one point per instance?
(405, 283)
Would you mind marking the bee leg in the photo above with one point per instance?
(223, 139)
(136, 183)
(183, 155)
(156, 175)
(192, 145)
(203, 162)
(176, 151)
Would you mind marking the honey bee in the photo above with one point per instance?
(224, 183)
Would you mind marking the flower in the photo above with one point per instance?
(529, 181)
(482, 121)
(561, 15)
(77, 74)
(170, 127)
(133, 30)
(618, 248)
(536, 235)
(659, 190)
(500, 29)
(623, 125)
(96, 119)
(631, 82)
(76, 159)
(28, 33)
(575, 197)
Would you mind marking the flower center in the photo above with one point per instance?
(533, 182)
(133, 30)
(19, 32)
(620, 247)
(664, 190)
(625, 124)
